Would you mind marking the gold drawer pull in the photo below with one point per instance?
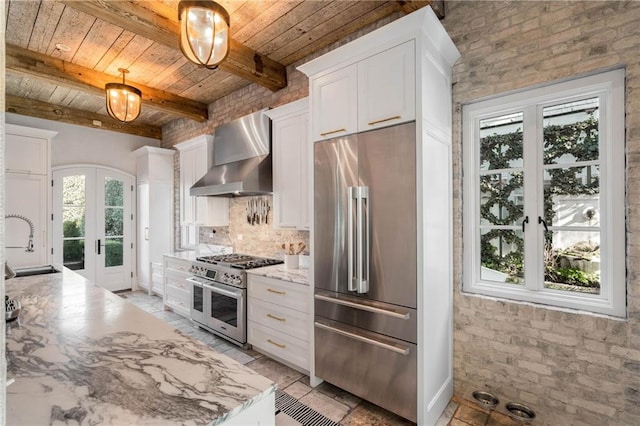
(333, 131)
(276, 344)
(396, 117)
(276, 291)
(276, 318)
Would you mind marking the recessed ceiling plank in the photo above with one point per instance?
(45, 25)
(47, 111)
(241, 60)
(72, 75)
(21, 15)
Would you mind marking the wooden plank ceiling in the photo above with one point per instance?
(100, 36)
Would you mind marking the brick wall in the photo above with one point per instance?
(571, 368)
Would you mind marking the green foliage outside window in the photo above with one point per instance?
(573, 142)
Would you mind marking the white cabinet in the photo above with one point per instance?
(27, 195)
(335, 104)
(155, 214)
(176, 295)
(291, 164)
(375, 92)
(386, 88)
(278, 314)
(196, 158)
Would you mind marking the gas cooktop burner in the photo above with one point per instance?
(239, 261)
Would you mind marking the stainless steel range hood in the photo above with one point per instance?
(242, 159)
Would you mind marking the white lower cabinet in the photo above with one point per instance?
(278, 319)
(176, 294)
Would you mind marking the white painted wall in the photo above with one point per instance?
(83, 145)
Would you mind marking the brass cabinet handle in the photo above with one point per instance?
(395, 117)
(276, 318)
(333, 131)
(276, 344)
(276, 291)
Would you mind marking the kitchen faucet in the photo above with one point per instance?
(29, 247)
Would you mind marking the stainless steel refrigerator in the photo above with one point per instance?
(365, 266)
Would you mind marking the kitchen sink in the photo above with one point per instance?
(35, 270)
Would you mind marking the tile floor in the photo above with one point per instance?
(330, 401)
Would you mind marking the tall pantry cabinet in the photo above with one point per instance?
(27, 195)
(155, 214)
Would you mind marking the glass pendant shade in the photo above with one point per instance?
(204, 32)
(123, 101)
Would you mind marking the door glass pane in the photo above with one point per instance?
(113, 251)
(501, 198)
(572, 261)
(502, 255)
(113, 192)
(73, 253)
(572, 196)
(73, 221)
(224, 308)
(113, 221)
(501, 142)
(571, 132)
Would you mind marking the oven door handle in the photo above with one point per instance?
(218, 290)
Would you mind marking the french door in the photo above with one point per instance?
(92, 224)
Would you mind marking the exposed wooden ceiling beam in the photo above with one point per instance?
(410, 6)
(47, 111)
(241, 61)
(65, 73)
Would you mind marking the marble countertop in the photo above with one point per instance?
(81, 354)
(280, 272)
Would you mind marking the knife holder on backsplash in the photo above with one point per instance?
(258, 211)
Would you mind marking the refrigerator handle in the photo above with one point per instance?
(402, 350)
(351, 280)
(363, 239)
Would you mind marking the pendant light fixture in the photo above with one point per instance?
(123, 101)
(204, 32)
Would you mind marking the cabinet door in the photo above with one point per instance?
(288, 138)
(144, 258)
(26, 154)
(26, 195)
(200, 167)
(386, 88)
(306, 169)
(186, 182)
(334, 104)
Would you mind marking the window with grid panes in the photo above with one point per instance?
(544, 203)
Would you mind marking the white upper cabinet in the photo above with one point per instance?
(27, 150)
(195, 160)
(335, 104)
(375, 92)
(386, 88)
(291, 164)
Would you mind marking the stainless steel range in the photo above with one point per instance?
(218, 298)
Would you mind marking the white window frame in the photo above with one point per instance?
(609, 88)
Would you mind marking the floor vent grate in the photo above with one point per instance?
(298, 411)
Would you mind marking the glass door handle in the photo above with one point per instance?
(542, 221)
(99, 246)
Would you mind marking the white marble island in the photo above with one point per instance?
(80, 354)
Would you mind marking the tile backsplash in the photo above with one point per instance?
(258, 240)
